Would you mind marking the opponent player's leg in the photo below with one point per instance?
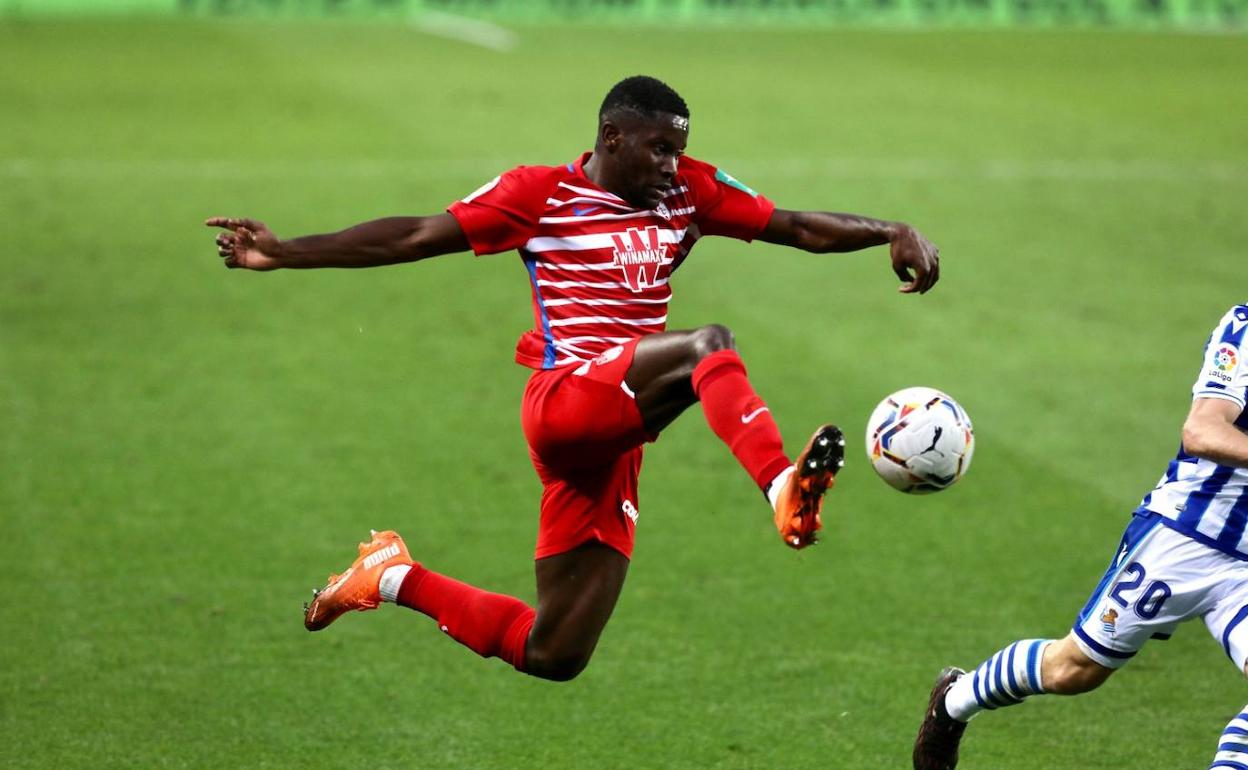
(1105, 636)
(1022, 669)
(672, 370)
(1232, 753)
(1228, 624)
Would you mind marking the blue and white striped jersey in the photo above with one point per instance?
(1206, 501)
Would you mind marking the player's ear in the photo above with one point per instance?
(610, 135)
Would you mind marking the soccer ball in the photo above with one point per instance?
(920, 440)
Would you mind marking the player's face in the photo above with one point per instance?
(646, 156)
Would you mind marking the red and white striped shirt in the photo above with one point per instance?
(599, 267)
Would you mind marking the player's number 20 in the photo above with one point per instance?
(1149, 603)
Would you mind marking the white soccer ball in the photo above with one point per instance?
(920, 440)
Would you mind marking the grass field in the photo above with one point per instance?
(185, 452)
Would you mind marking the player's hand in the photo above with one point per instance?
(246, 243)
(916, 261)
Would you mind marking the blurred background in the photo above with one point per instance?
(186, 451)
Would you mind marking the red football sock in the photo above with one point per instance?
(738, 416)
(491, 625)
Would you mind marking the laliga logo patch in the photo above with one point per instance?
(1225, 358)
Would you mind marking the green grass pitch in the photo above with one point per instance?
(185, 451)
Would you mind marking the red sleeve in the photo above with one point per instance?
(724, 205)
(502, 214)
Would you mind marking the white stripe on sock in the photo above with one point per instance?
(777, 484)
(392, 580)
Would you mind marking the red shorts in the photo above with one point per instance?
(585, 438)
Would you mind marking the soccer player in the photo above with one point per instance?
(1184, 555)
(599, 237)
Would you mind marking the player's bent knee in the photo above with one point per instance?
(557, 660)
(557, 666)
(711, 338)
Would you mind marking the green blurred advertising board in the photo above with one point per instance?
(1205, 15)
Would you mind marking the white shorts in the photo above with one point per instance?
(1158, 579)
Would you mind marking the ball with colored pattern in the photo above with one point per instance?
(920, 440)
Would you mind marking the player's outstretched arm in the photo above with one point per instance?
(916, 260)
(1210, 432)
(251, 245)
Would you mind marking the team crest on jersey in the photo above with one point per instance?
(639, 253)
(608, 355)
(1109, 620)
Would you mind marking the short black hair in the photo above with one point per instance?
(644, 96)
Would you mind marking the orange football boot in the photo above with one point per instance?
(357, 588)
(799, 502)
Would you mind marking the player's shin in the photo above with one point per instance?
(490, 624)
(1002, 680)
(1233, 745)
(738, 416)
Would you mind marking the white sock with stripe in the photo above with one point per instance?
(1233, 745)
(1002, 680)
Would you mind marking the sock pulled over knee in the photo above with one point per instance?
(738, 416)
(489, 624)
(1003, 680)
(1233, 745)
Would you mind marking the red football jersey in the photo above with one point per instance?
(599, 267)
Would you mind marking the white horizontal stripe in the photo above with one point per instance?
(590, 201)
(595, 338)
(677, 191)
(592, 217)
(567, 360)
(592, 241)
(592, 284)
(682, 212)
(638, 301)
(606, 319)
(575, 266)
(599, 194)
